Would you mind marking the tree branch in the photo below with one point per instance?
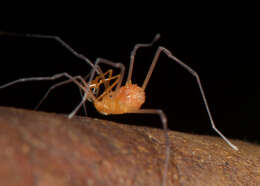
(38, 148)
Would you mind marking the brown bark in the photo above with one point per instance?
(46, 149)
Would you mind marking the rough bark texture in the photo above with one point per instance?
(46, 149)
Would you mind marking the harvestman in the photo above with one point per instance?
(117, 98)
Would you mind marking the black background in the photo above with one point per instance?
(222, 46)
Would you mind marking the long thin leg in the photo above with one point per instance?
(54, 77)
(165, 128)
(194, 73)
(81, 91)
(59, 40)
(59, 84)
(84, 99)
(82, 84)
(133, 53)
(65, 82)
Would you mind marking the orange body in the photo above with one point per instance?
(128, 98)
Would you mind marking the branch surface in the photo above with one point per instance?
(45, 149)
